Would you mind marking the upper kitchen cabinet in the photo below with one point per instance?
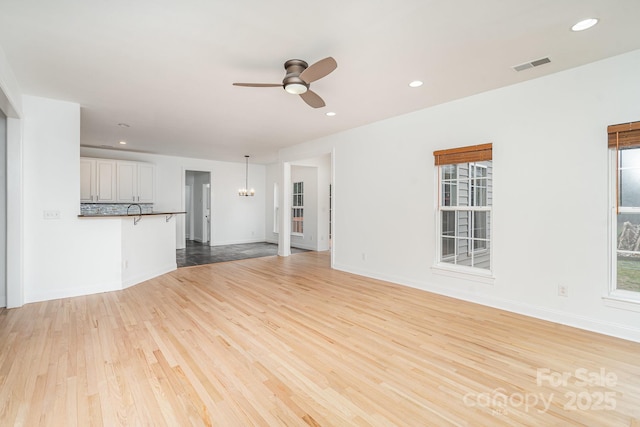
(97, 181)
(136, 182)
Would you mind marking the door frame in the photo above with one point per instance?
(188, 208)
(206, 212)
(285, 195)
(14, 290)
(180, 219)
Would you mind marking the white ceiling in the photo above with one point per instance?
(166, 67)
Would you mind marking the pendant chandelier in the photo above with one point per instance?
(244, 191)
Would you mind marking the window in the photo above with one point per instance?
(464, 206)
(478, 190)
(624, 142)
(297, 210)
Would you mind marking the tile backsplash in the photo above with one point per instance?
(114, 208)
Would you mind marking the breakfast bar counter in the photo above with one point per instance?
(107, 215)
(143, 244)
(136, 216)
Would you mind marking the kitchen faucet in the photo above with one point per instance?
(135, 204)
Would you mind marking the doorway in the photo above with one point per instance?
(307, 198)
(197, 207)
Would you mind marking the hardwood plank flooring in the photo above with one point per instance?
(289, 342)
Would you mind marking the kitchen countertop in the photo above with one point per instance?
(130, 214)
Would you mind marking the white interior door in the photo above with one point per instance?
(206, 212)
(188, 207)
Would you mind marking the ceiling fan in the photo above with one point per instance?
(299, 77)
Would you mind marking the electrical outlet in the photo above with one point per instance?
(364, 256)
(563, 290)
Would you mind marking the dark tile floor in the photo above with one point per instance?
(198, 253)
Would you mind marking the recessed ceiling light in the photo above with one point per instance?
(123, 125)
(584, 24)
(330, 114)
(416, 83)
(123, 142)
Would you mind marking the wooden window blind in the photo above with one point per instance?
(472, 153)
(620, 137)
(625, 135)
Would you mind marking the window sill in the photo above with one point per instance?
(465, 273)
(624, 300)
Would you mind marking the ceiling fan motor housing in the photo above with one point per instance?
(292, 82)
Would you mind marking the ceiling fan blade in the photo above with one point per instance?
(319, 70)
(313, 99)
(258, 84)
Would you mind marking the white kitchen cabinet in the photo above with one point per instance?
(97, 180)
(146, 182)
(136, 182)
(87, 180)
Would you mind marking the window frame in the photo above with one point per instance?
(471, 209)
(613, 293)
(297, 207)
(454, 157)
(472, 179)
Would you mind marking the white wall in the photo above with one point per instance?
(550, 213)
(66, 256)
(234, 219)
(11, 105)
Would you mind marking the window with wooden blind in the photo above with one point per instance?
(624, 144)
(465, 196)
(297, 209)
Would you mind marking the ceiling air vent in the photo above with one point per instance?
(531, 64)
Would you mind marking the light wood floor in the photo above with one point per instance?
(289, 342)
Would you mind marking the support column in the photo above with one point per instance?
(284, 220)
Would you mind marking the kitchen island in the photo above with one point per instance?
(136, 216)
(143, 244)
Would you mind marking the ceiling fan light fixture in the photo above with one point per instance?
(298, 78)
(295, 88)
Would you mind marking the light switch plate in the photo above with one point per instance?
(51, 214)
